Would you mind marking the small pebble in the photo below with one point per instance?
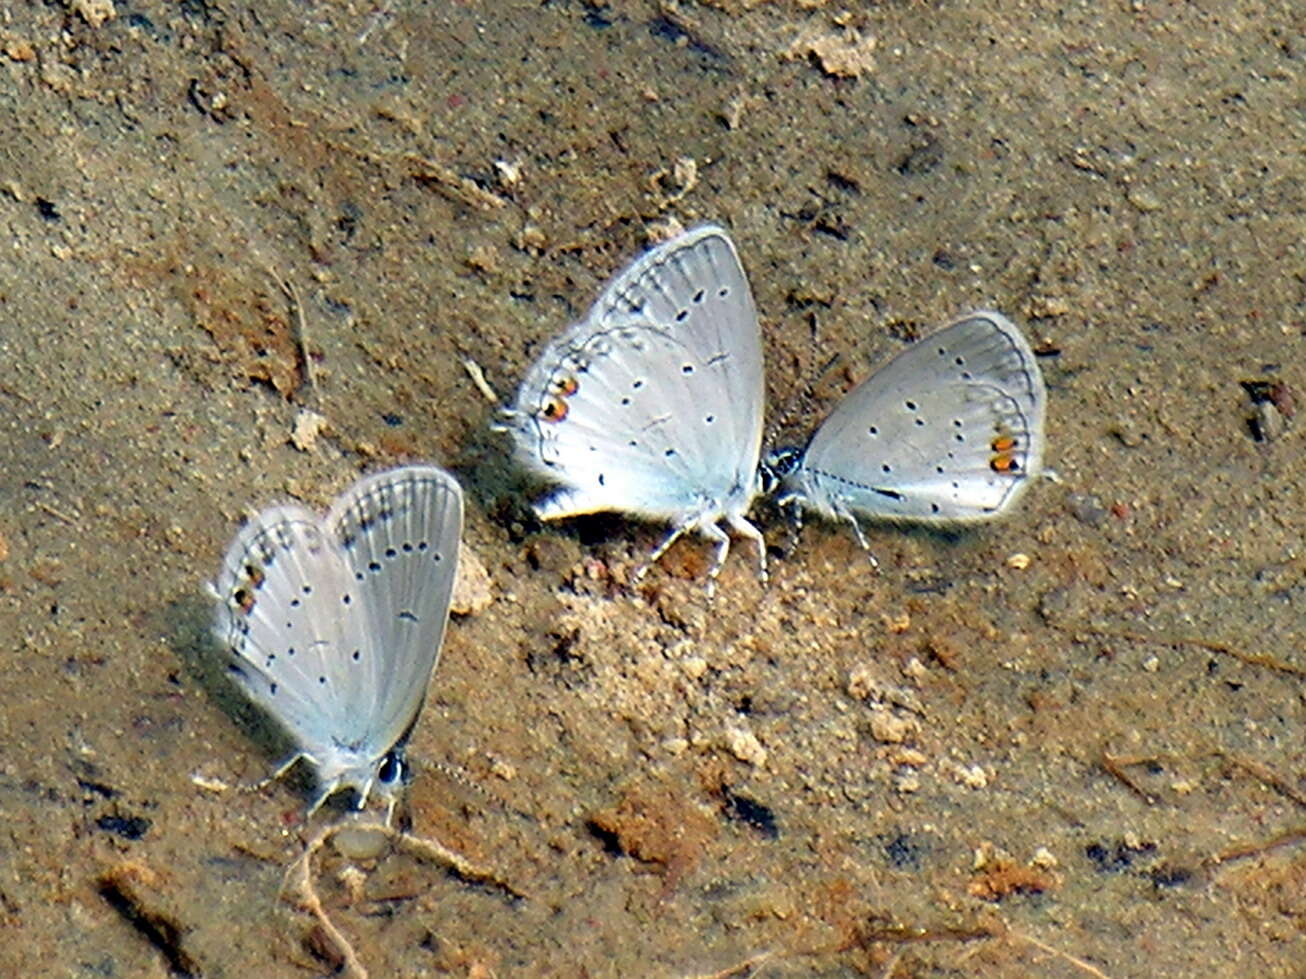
(744, 745)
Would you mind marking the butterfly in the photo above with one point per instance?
(948, 432)
(334, 624)
(652, 404)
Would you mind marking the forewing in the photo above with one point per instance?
(950, 430)
(397, 533)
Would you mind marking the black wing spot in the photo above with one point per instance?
(422, 545)
(687, 369)
(920, 422)
(373, 566)
(710, 419)
(272, 689)
(934, 508)
(407, 547)
(723, 291)
(682, 315)
(637, 383)
(322, 680)
(346, 598)
(698, 296)
(390, 552)
(911, 405)
(603, 480)
(625, 401)
(669, 453)
(357, 655)
(308, 589)
(886, 468)
(873, 430)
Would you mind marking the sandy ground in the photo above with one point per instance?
(1089, 765)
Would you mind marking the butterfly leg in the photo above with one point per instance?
(284, 767)
(792, 508)
(851, 519)
(676, 533)
(722, 540)
(326, 793)
(745, 529)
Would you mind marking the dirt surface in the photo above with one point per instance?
(1066, 745)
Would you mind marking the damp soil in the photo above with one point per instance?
(1068, 744)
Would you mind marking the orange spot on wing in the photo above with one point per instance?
(1002, 443)
(566, 386)
(1004, 462)
(554, 410)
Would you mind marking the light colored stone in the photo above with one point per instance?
(743, 744)
(472, 589)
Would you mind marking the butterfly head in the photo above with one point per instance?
(776, 465)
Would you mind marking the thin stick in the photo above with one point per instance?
(739, 968)
(1114, 766)
(301, 329)
(297, 885)
(374, 21)
(1289, 838)
(1266, 775)
(305, 895)
(1225, 649)
(1092, 970)
(477, 375)
(59, 514)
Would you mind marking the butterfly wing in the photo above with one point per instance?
(281, 617)
(398, 534)
(652, 405)
(949, 431)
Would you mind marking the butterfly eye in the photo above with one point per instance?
(554, 410)
(565, 387)
(391, 769)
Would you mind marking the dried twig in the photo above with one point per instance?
(1267, 775)
(1244, 850)
(301, 329)
(297, 886)
(1116, 766)
(1264, 660)
(452, 186)
(477, 375)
